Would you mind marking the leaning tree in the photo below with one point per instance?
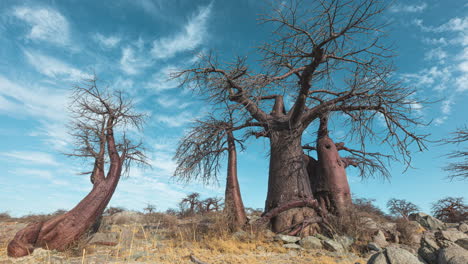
(100, 120)
(325, 56)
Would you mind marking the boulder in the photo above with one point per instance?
(368, 223)
(373, 246)
(463, 227)
(451, 235)
(241, 236)
(287, 239)
(345, 241)
(428, 249)
(379, 239)
(292, 246)
(311, 242)
(333, 246)
(107, 239)
(394, 255)
(462, 243)
(427, 221)
(127, 218)
(453, 255)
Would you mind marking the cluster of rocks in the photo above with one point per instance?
(439, 243)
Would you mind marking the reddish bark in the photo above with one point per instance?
(59, 232)
(328, 180)
(234, 207)
(288, 179)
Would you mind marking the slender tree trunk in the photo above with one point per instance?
(329, 182)
(61, 231)
(288, 180)
(234, 207)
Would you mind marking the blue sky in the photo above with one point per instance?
(49, 45)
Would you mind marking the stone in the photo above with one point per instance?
(394, 255)
(379, 239)
(373, 246)
(427, 221)
(462, 243)
(287, 239)
(333, 246)
(451, 235)
(241, 235)
(463, 227)
(311, 242)
(321, 237)
(453, 255)
(107, 239)
(428, 249)
(292, 246)
(368, 223)
(345, 241)
(127, 218)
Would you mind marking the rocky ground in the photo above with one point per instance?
(127, 237)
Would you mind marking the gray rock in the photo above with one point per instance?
(288, 239)
(333, 246)
(311, 242)
(373, 246)
(345, 241)
(462, 243)
(429, 248)
(451, 235)
(107, 239)
(453, 255)
(379, 239)
(241, 235)
(368, 223)
(427, 221)
(292, 246)
(127, 218)
(463, 227)
(394, 255)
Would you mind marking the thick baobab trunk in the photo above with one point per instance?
(234, 207)
(288, 180)
(61, 231)
(329, 182)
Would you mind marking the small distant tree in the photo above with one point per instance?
(459, 168)
(189, 204)
(401, 207)
(211, 204)
(172, 211)
(150, 208)
(450, 209)
(113, 210)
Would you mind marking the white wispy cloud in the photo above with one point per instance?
(408, 8)
(53, 67)
(192, 36)
(39, 158)
(107, 42)
(177, 120)
(455, 24)
(134, 59)
(171, 102)
(32, 100)
(161, 81)
(41, 174)
(46, 24)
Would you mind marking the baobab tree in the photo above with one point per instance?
(458, 168)
(199, 155)
(326, 56)
(100, 120)
(192, 201)
(401, 207)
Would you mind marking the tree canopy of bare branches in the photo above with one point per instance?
(459, 168)
(450, 209)
(401, 207)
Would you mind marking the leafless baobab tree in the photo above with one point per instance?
(100, 120)
(199, 154)
(325, 57)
